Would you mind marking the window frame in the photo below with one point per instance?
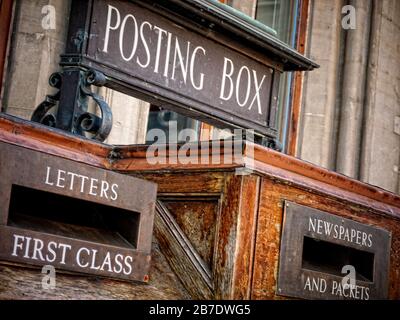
(297, 80)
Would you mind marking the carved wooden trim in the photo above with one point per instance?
(181, 255)
(53, 141)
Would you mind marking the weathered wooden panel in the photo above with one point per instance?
(195, 183)
(197, 219)
(225, 245)
(275, 164)
(246, 237)
(21, 282)
(272, 197)
(182, 256)
(53, 141)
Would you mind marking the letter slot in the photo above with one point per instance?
(51, 213)
(317, 246)
(327, 257)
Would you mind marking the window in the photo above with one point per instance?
(280, 15)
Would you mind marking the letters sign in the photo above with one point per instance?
(156, 57)
(324, 256)
(73, 216)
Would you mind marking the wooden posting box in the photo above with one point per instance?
(74, 216)
(220, 229)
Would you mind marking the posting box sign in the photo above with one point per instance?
(187, 71)
(324, 256)
(73, 216)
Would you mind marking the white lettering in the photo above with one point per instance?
(183, 65)
(238, 82)
(51, 251)
(159, 40)
(114, 191)
(60, 178)
(37, 249)
(192, 63)
(107, 261)
(93, 186)
(146, 47)
(227, 75)
(121, 38)
(79, 259)
(47, 177)
(93, 265)
(17, 245)
(256, 97)
(64, 251)
(128, 260)
(111, 9)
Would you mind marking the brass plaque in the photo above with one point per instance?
(73, 216)
(324, 256)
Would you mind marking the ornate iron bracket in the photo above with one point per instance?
(100, 127)
(41, 113)
(83, 121)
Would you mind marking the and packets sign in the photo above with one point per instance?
(73, 216)
(156, 57)
(324, 256)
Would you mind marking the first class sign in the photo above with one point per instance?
(140, 49)
(70, 254)
(75, 217)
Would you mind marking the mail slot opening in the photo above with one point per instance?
(51, 213)
(328, 257)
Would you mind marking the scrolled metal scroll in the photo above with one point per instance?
(100, 127)
(41, 114)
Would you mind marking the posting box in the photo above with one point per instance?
(73, 216)
(320, 252)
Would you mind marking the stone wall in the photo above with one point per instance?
(34, 55)
(351, 103)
